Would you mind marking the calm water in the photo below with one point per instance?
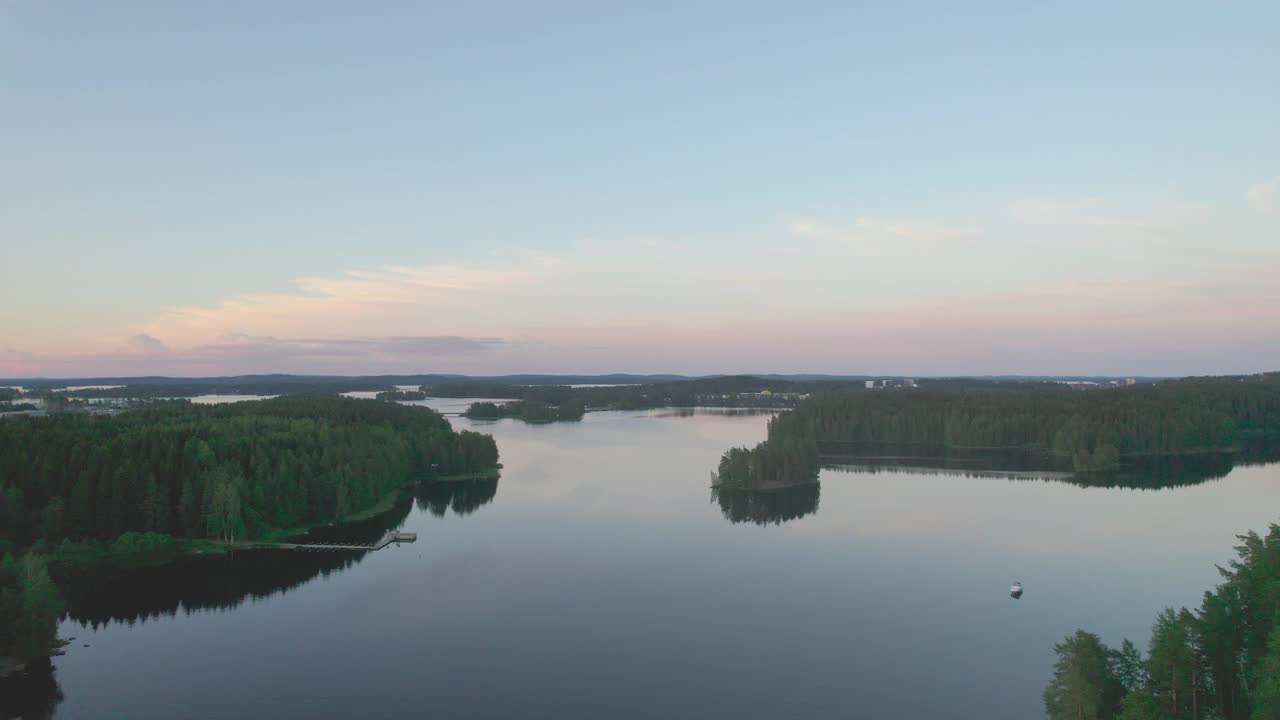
(217, 399)
(599, 578)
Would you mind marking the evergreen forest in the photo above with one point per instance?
(1221, 660)
(226, 472)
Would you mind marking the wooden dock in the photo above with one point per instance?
(385, 540)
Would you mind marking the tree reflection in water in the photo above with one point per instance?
(767, 507)
(31, 693)
(97, 594)
(774, 507)
(1139, 473)
(463, 496)
(100, 593)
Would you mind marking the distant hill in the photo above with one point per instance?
(352, 382)
(373, 382)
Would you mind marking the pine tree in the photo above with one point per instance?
(1266, 682)
(1082, 683)
(41, 609)
(1172, 665)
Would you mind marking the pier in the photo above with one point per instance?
(385, 540)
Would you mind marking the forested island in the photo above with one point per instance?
(146, 481)
(725, 391)
(770, 465)
(530, 411)
(1220, 661)
(227, 472)
(1094, 430)
(399, 395)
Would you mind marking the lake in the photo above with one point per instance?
(600, 578)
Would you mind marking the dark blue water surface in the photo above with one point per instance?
(599, 578)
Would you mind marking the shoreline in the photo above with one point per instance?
(192, 547)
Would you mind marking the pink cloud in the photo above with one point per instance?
(873, 296)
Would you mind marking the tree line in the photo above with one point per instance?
(29, 608)
(228, 472)
(1220, 661)
(727, 391)
(398, 395)
(1094, 429)
(530, 411)
(769, 465)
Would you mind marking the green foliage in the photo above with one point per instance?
(29, 607)
(1222, 661)
(571, 410)
(234, 471)
(1172, 663)
(487, 411)
(770, 464)
(1083, 685)
(1094, 428)
(396, 395)
(1140, 705)
(530, 411)
(1127, 666)
(727, 391)
(143, 542)
(1266, 682)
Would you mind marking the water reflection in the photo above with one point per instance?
(768, 507)
(31, 693)
(775, 507)
(1143, 473)
(463, 497)
(100, 593)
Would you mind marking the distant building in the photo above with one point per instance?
(762, 395)
(1131, 381)
(894, 383)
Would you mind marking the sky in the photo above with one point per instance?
(691, 187)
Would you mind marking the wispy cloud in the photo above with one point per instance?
(240, 353)
(1048, 286)
(1264, 196)
(143, 343)
(1094, 213)
(391, 298)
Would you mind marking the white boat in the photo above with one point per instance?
(1016, 589)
